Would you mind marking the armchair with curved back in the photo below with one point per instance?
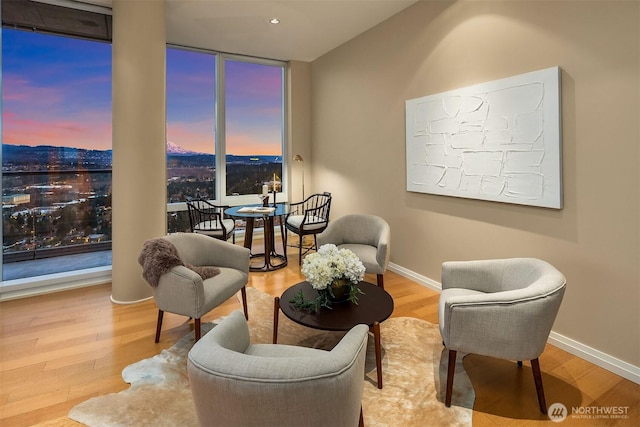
(236, 383)
(209, 219)
(368, 236)
(501, 308)
(181, 290)
(308, 217)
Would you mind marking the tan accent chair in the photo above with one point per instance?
(236, 383)
(502, 308)
(368, 236)
(182, 291)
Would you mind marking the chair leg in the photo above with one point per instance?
(537, 377)
(381, 281)
(451, 369)
(300, 250)
(159, 325)
(243, 291)
(197, 328)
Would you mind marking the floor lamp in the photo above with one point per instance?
(298, 158)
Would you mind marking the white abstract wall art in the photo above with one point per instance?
(498, 141)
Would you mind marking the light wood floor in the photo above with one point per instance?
(60, 349)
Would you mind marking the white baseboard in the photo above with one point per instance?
(597, 357)
(590, 354)
(422, 280)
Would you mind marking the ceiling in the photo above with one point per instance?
(307, 29)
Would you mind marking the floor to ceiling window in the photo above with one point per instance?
(227, 105)
(254, 125)
(225, 139)
(56, 149)
(191, 125)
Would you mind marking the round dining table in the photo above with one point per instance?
(269, 259)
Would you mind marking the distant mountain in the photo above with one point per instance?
(46, 157)
(176, 150)
(43, 155)
(44, 150)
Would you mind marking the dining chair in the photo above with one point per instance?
(209, 219)
(308, 217)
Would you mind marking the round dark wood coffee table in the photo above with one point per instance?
(374, 306)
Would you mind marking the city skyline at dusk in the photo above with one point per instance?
(57, 91)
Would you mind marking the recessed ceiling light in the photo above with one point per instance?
(274, 20)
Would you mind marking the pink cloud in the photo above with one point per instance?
(21, 93)
(34, 115)
(246, 144)
(87, 133)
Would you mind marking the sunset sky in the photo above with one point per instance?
(57, 91)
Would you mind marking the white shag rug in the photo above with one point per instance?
(414, 368)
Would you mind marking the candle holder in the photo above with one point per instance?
(265, 200)
(274, 198)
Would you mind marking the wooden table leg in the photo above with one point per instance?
(283, 235)
(268, 240)
(276, 312)
(376, 336)
(248, 233)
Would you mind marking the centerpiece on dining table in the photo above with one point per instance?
(334, 273)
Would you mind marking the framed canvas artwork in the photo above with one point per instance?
(498, 141)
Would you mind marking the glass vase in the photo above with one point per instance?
(340, 289)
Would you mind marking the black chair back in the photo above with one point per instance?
(314, 211)
(206, 218)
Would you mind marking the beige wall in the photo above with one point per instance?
(299, 128)
(139, 153)
(358, 146)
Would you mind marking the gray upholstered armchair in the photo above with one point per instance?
(501, 308)
(235, 383)
(368, 236)
(183, 291)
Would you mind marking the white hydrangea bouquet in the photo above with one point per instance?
(334, 273)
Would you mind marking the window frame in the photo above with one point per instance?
(220, 130)
(67, 279)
